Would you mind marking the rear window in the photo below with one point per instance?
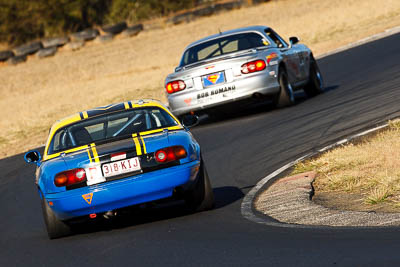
(222, 46)
(110, 126)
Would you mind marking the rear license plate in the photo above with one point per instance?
(121, 167)
(213, 79)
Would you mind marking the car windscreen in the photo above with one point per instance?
(110, 126)
(222, 46)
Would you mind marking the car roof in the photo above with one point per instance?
(100, 111)
(257, 28)
(104, 110)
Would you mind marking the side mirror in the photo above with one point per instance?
(293, 40)
(190, 121)
(32, 156)
(178, 69)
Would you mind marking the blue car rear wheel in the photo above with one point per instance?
(201, 197)
(55, 227)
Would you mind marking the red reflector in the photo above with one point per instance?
(93, 215)
(161, 156)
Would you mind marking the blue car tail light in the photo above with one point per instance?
(169, 154)
(70, 177)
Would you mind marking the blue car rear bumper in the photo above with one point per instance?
(121, 193)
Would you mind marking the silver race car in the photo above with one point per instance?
(238, 65)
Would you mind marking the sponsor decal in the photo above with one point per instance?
(216, 91)
(271, 56)
(209, 67)
(213, 78)
(275, 62)
(88, 198)
(188, 101)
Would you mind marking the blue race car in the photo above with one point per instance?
(98, 161)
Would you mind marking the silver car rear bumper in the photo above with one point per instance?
(190, 100)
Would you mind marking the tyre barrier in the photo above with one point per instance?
(47, 52)
(48, 47)
(28, 49)
(85, 35)
(133, 30)
(6, 54)
(56, 41)
(115, 28)
(17, 59)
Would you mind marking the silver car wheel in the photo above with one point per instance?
(286, 96)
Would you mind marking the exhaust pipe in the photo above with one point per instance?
(258, 95)
(110, 214)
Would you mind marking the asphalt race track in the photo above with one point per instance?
(362, 91)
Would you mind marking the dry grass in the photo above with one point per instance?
(36, 93)
(370, 168)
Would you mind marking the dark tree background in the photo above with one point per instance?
(25, 20)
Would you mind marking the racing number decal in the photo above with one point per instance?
(88, 198)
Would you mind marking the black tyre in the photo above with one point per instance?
(47, 52)
(28, 49)
(133, 30)
(86, 35)
(56, 41)
(184, 17)
(6, 54)
(201, 197)
(226, 6)
(115, 28)
(55, 227)
(16, 60)
(315, 83)
(286, 96)
(205, 11)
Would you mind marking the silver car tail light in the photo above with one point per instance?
(175, 86)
